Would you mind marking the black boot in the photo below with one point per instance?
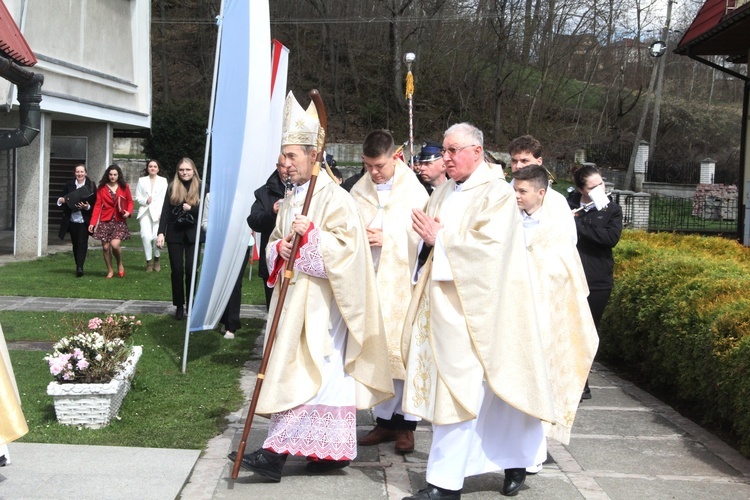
(514, 479)
(263, 462)
(179, 313)
(432, 492)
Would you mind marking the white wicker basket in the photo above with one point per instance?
(93, 405)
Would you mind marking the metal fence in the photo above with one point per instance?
(688, 172)
(708, 215)
(612, 155)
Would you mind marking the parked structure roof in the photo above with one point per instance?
(12, 42)
(719, 28)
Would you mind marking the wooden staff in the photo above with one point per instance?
(288, 274)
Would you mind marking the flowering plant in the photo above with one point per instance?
(93, 355)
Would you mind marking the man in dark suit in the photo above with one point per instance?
(262, 218)
(77, 220)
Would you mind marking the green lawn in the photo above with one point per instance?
(164, 408)
(54, 276)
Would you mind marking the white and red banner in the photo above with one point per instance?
(245, 143)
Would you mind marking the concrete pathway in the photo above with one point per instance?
(626, 444)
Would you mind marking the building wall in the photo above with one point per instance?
(32, 193)
(94, 55)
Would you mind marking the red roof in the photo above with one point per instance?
(12, 42)
(718, 30)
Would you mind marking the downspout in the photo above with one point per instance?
(29, 96)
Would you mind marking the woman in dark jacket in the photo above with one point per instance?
(76, 220)
(183, 196)
(598, 232)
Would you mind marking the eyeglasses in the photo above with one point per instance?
(454, 151)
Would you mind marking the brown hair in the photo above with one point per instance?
(534, 174)
(180, 195)
(525, 143)
(582, 173)
(378, 143)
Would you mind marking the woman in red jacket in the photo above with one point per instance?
(114, 204)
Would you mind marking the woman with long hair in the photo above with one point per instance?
(76, 219)
(149, 193)
(599, 230)
(114, 204)
(177, 227)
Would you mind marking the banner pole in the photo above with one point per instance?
(197, 252)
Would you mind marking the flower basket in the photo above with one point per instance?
(93, 405)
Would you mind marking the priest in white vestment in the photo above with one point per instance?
(474, 353)
(329, 353)
(12, 422)
(385, 197)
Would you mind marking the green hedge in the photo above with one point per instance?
(679, 316)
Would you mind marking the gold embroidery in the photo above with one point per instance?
(422, 380)
(423, 321)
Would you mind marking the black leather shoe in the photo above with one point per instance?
(79, 272)
(263, 462)
(586, 391)
(432, 492)
(318, 466)
(179, 313)
(514, 479)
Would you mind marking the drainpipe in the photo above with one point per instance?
(29, 86)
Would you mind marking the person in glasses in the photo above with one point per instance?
(474, 353)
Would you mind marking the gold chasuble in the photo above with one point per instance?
(12, 422)
(478, 321)
(293, 375)
(399, 251)
(568, 332)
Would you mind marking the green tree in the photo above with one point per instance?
(178, 130)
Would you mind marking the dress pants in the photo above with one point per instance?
(231, 317)
(149, 230)
(181, 262)
(597, 302)
(79, 236)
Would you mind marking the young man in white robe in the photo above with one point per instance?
(527, 150)
(475, 359)
(385, 197)
(328, 356)
(559, 283)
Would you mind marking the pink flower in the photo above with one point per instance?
(110, 320)
(138, 322)
(77, 353)
(82, 364)
(94, 323)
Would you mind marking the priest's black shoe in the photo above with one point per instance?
(318, 466)
(179, 313)
(514, 479)
(433, 492)
(263, 462)
(79, 272)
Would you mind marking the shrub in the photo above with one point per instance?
(679, 316)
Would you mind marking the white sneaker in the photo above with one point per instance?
(534, 469)
(229, 335)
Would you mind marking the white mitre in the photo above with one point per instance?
(300, 127)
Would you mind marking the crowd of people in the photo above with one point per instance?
(437, 292)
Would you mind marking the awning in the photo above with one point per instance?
(719, 29)
(12, 42)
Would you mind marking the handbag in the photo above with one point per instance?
(182, 219)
